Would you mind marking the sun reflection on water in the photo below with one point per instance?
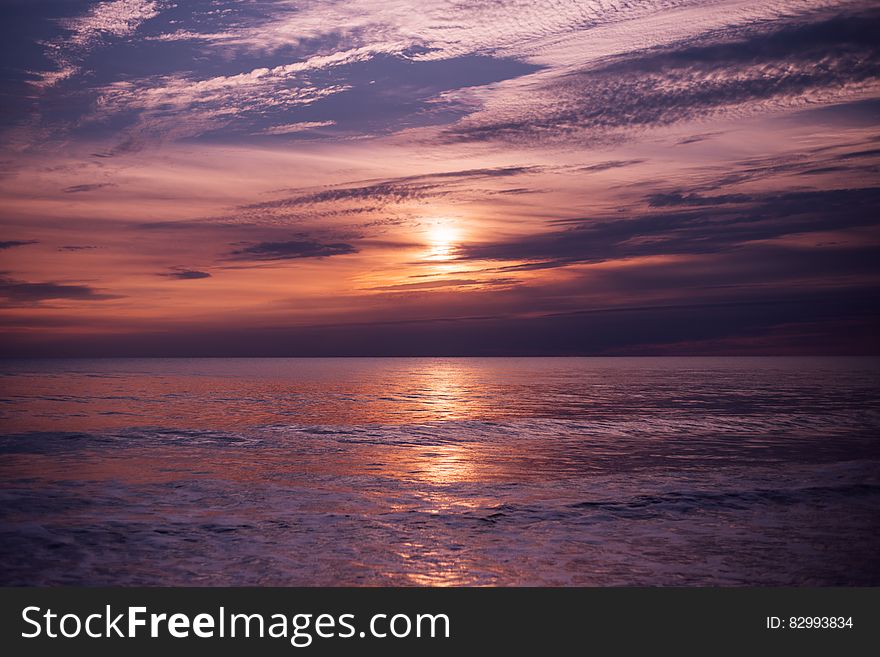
(445, 390)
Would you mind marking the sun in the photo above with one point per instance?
(442, 236)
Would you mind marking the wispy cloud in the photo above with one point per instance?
(11, 244)
(292, 250)
(302, 126)
(570, 168)
(114, 17)
(104, 20)
(183, 274)
(181, 105)
(698, 225)
(393, 190)
(757, 67)
(91, 187)
(77, 247)
(25, 292)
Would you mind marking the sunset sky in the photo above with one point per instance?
(384, 177)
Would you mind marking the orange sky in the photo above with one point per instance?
(622, 164)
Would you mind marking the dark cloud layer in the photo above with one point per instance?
(77, 247)
(292, 250)
(696, 225)
(24, 292)
(818, 322)
(394, 190)
(779, 64)
(186, 274)
(78, 189)
(11, 244)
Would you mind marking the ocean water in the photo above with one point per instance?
(443, 471)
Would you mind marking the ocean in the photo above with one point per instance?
(440, 471)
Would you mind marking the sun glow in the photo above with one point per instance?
(443, 237)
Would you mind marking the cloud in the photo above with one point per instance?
(114, 18)
(76, 189)
(698, 225)
(612, 164)
(694, 139)
(77, 247)
(290, 128)
(284, 114)
(393, 190)
(369, 90)
(813, 161)
(443, 283)
(182, 105)
(293, 250)
(103, 21)
(11, 244)
(384, 192)
(864, 112)
(186, 274)
(24, 292)
(439, 29)
(824, 322)
(868, 153)
(587, 68)
(754, 68)
(680, 199)
(516, 190)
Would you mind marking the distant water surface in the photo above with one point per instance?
(443, 471)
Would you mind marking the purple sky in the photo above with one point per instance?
(366, 177)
